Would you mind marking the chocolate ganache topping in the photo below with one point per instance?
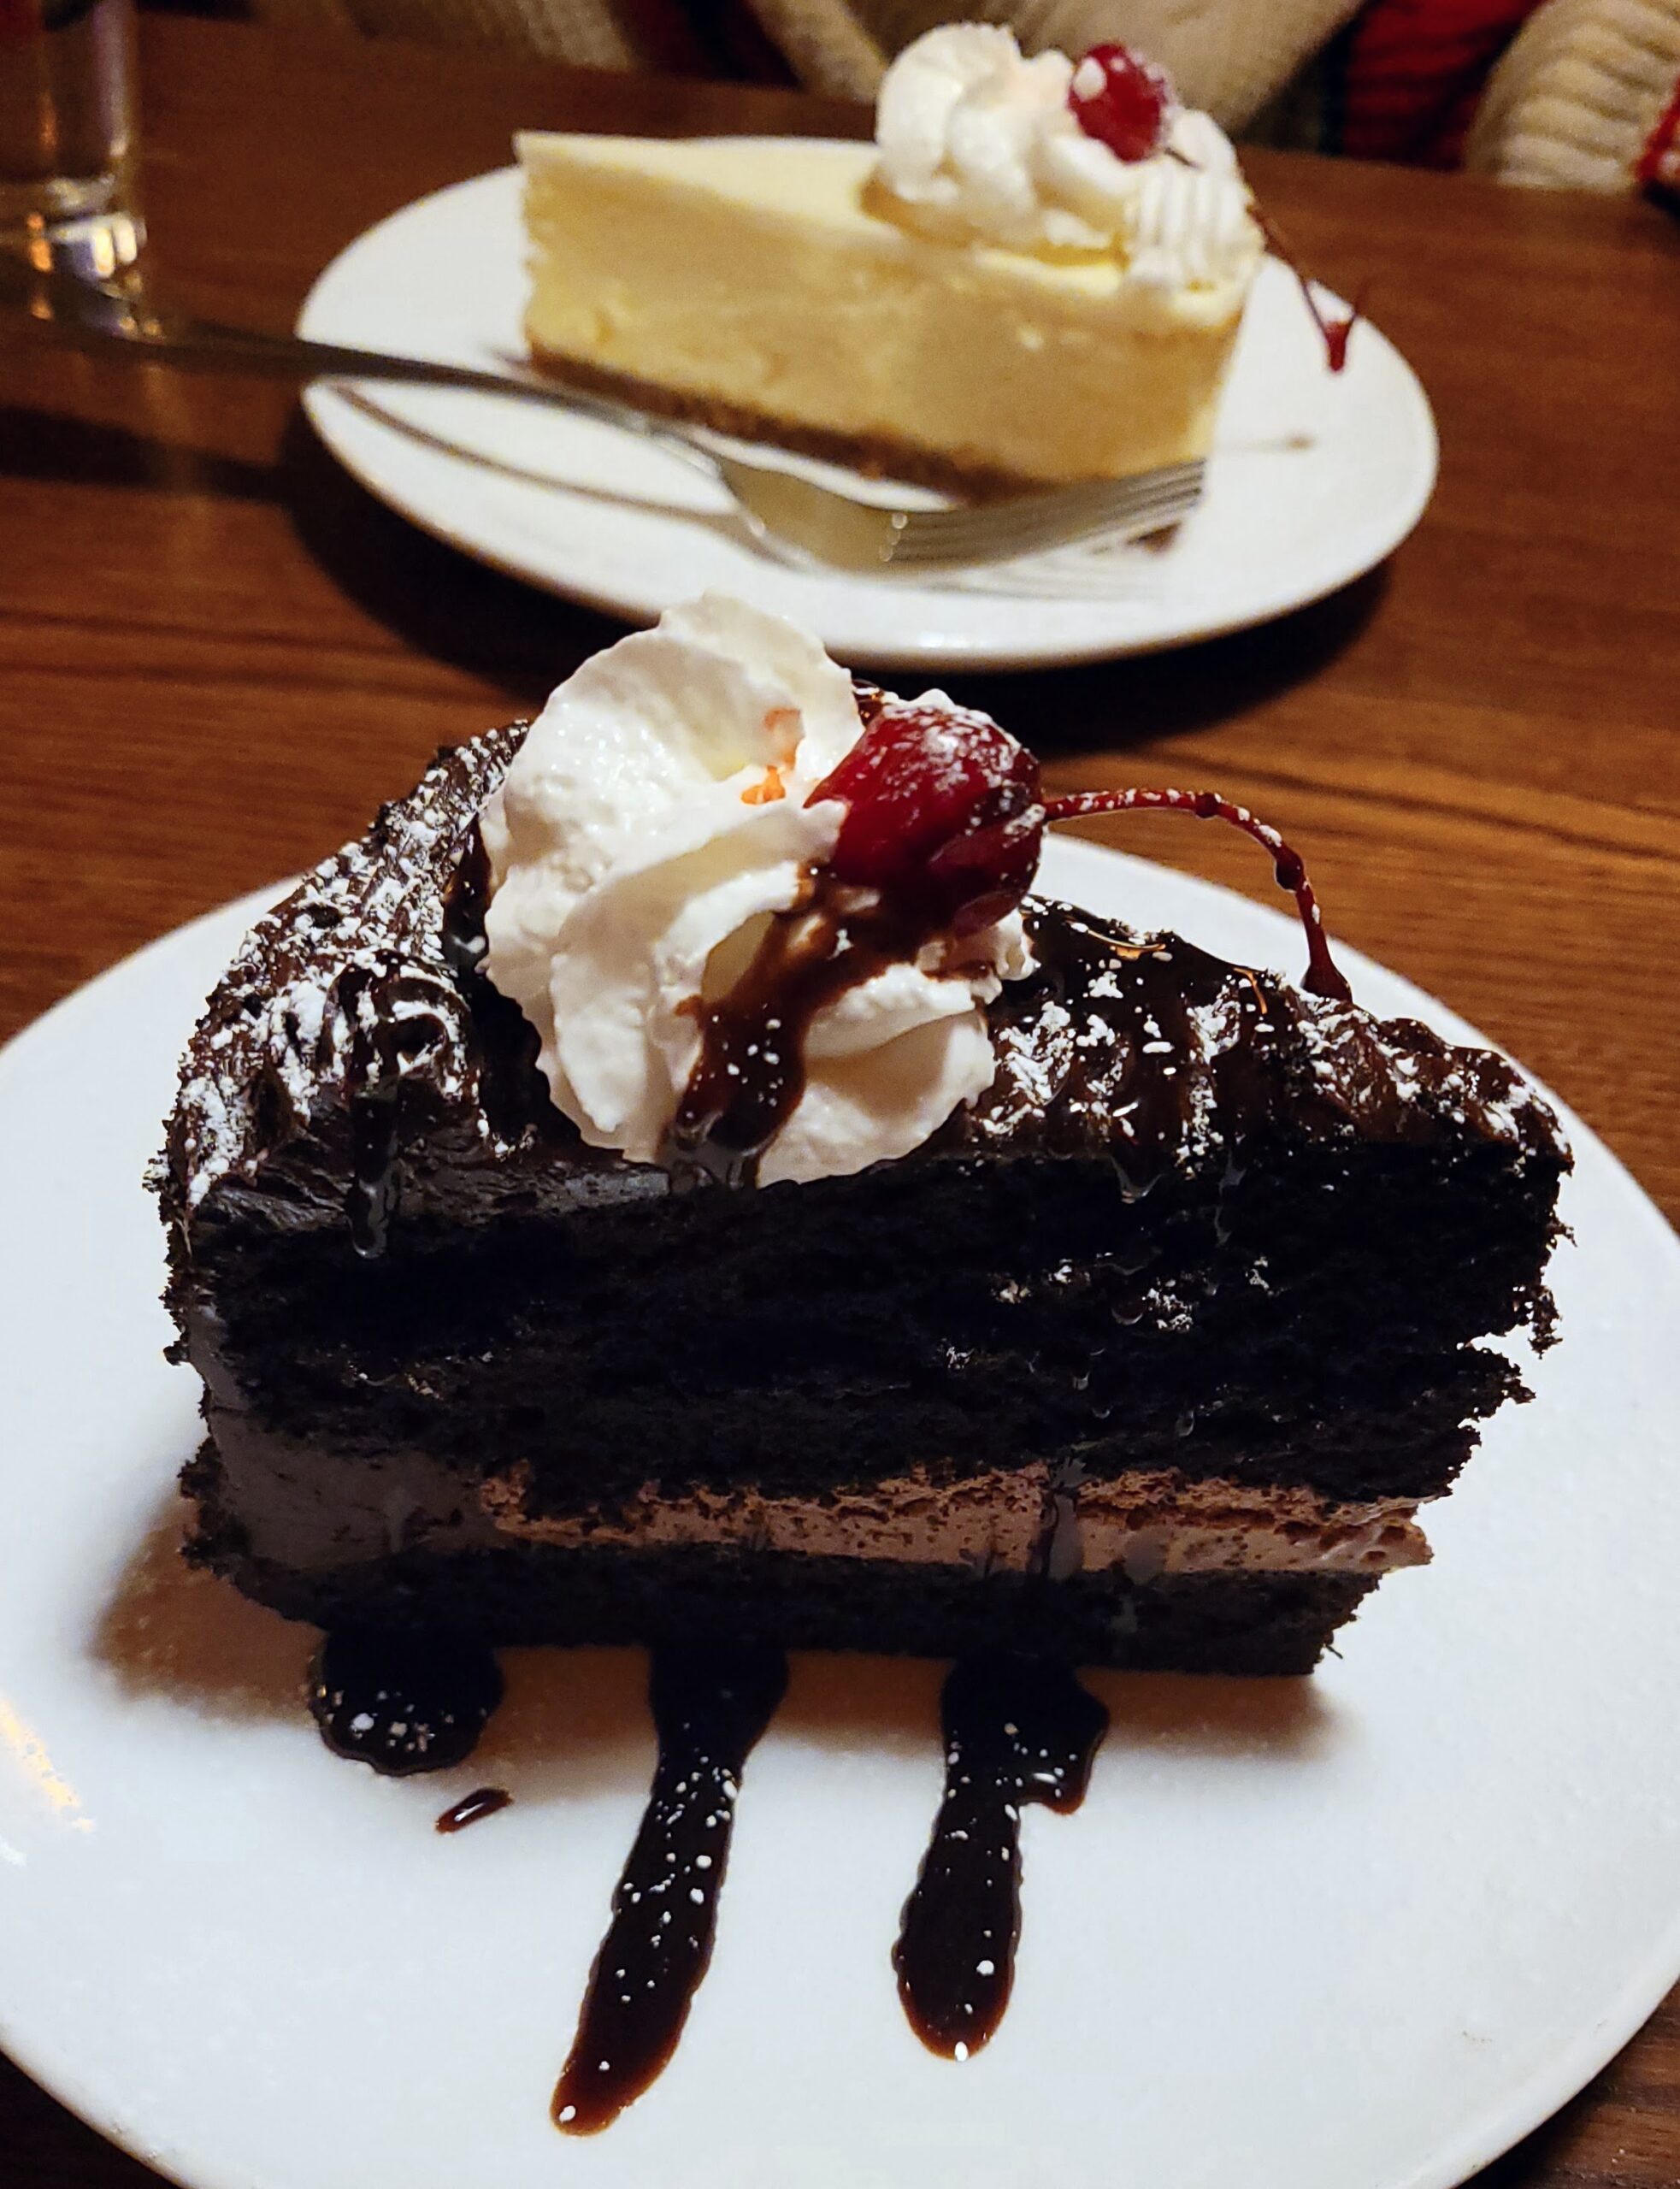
(1138, 1048)
(357, 1032)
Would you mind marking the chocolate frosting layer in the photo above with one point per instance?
(353, 994)
(353, 1061)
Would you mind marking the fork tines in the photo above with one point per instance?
(997, 531)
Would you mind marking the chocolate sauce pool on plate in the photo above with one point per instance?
(401, 1702)
(709, 1706)
(1015, 1731)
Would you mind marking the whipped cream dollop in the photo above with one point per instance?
(977, 142)
(650, 827)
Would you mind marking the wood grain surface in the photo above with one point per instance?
(218, 654)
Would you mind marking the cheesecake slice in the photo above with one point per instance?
(989, 294)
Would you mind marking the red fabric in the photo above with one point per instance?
(1658, 168)
(1414, 72)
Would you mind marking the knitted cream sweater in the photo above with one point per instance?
(1576, 103)
(1584, 98)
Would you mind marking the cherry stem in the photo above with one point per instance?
(1323, 977)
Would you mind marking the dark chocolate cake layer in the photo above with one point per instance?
(1205, 1241)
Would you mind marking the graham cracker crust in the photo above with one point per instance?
(874, 457)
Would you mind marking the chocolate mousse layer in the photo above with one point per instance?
(1147, 1358)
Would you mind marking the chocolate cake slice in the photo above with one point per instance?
(1147, 1356)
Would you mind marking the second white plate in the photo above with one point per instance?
(1316, 477)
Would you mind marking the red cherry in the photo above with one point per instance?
(1123, 101)
(946, 818)
(943, 814)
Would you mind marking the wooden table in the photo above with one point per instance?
(218, 654)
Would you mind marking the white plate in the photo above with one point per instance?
(1356, 1933)
(1316, 477)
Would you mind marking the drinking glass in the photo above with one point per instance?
(67, 134)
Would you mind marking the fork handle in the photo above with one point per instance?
(205, 345)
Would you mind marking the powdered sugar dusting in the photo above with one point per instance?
(1161, 1058)
(347, 987)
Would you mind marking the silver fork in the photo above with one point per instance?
(784, 511)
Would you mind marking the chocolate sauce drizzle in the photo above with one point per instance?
(471, 1809)
(1323, 977)
(1016, 1730)
(403, 1703)
(370, 1198)
(752, 1068)
(709, 1706)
